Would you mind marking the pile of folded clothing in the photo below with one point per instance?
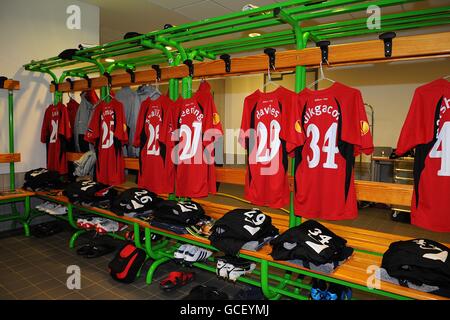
(419, 264)
(135, 202)
(175, 216)
(312, 246)
(240, 229)
(42, 179)
(90, 193)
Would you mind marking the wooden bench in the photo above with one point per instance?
(12, 197)
(353, 272)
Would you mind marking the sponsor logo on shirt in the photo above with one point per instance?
(364, 128)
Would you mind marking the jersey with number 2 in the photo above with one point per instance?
(108, 132)
(427, 129)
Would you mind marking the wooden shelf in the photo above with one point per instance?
(11, 85)
(404, 48)
(9, 157)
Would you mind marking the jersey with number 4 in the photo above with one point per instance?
(334, 122)
(108, 132)
(156, 170)
(266, 176)
(427, 129)
(56, 133)
(196, 124)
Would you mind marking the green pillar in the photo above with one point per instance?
(300, 83)
(12, 180)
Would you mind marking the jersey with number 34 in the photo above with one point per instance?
(427, 129)
(328, 130)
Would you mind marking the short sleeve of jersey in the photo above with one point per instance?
(291, 123)
(93, 130)
(121, 131)
(64, 125)
(212, 118)
(168, 121)
(140, 125)
(45, 132)
(416, 129)
(355, 127)
(249, 103)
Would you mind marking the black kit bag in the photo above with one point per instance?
(127, 263)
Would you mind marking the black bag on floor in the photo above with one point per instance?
(126, 264)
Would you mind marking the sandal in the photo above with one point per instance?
(176, 279)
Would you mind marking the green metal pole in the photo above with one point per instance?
(12, 180)
(300, 82)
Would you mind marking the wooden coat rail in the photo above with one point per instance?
(9, 157)
(404, 48)
(11, 85)
(379, 192)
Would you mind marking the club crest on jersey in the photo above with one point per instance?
(216, 119)
(364, 127)
(298, 126)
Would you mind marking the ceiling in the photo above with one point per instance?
(118, 17)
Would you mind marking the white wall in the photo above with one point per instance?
(33, 30)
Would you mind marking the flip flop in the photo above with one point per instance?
(84, 250)
(99, 250)
(176, 279)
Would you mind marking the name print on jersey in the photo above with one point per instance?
(320, 110)
(441, 148)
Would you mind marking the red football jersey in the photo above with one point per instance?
(196, 125)
(156, 169)
(266, 179)
(328, 130)
(108, 132)
(55, 133)
(72, 108)
(427, 128)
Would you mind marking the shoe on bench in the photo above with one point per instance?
(196, 254)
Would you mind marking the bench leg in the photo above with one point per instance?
(75, 237)
(26, 217)
(153, 267)
(269, 294)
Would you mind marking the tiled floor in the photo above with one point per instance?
(35, 268)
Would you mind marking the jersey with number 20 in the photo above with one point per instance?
(427, 128)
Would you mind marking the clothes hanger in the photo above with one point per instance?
(269, 77)
(321, 76)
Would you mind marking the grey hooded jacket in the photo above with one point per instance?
(128, 98)
(131, 114)
(82, 119)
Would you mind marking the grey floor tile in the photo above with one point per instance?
(92, 290)
(73, 296)
(58, 292)
(26, 293)
(50, 284)
(107, 295)
(40, 296)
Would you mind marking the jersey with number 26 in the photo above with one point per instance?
(427, 128)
